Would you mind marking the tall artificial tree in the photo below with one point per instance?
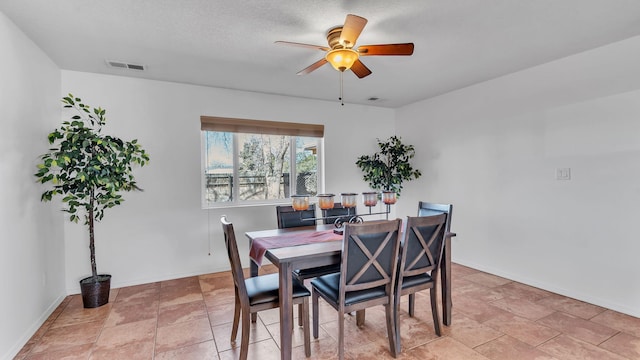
(87, 168)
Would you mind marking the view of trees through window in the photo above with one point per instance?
(242, 167)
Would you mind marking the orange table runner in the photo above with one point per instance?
(260, 245)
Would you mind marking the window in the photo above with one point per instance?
(250, 161)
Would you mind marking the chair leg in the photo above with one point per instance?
(360, 316)
(300, 314)
(305, 327)
(412, 304)
(246, 327)
(236, 320)
(391, 332)
(254, 270)
(396, 324)
(340, 335)
(434, 310)
(314, 301)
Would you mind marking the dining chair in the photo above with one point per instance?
(367, 276)
(420, 255)
(338, 212)
(428, 208)
(258, 293)
(289, 218)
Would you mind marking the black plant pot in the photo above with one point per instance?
(95, 293)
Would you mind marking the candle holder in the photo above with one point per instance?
(326, 202)
(349, 200)
(300, 202)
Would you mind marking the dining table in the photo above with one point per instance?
(309, 247)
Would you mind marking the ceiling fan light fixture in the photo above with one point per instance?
(341, 59)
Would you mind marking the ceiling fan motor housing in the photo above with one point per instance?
(333, 38)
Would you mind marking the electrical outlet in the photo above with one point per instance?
(563, 174)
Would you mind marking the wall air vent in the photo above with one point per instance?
(124, 65)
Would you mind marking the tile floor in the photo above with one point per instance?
(190, 318)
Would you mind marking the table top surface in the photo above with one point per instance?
(298, 252)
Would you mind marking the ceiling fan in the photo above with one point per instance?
(341, 53)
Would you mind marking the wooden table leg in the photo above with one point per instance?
(445, 279)
(286, 310)
(360, 316)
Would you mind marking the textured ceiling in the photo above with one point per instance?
(230, 44)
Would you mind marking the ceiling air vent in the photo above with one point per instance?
(124, 65)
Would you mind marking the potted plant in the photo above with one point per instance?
(89, 170)
(388, 168)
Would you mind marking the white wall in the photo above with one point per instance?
(493, 149)
(31, 232)
(163, 232)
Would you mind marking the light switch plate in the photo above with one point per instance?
(563, 174)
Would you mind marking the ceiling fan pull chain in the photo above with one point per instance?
(341, 98)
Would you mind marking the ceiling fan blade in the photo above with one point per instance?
(386, 49)
(312, 67)
(351, 29)
(360, 69)
(317, 47)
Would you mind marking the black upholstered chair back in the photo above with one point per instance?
(369, 255)
(339, 212)
(288, 218)
(427, 208)
(423, 243)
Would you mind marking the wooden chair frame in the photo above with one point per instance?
(360, 278)
(243, 309)
(428, 234)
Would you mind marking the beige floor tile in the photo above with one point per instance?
(261, 350)
(523, 308)
(470, 289)
(78, 352)
(445, 348)
(67, 336)
(77, 314)
(578, 328)
(128, 312)
(133, 351)
(470, 332)
(174, 294)
(183, 334)
(144, 294)
(509, 348)
(525, 330)
(458, 270)
(221, 313)
(477, 309)
(619, 321)
(174, 314)
(518, 290)
(623, 344)
(204, 350)
(222, 335)
(571, 306)
(565, 347)
(126, 334)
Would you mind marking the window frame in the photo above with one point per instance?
(247, 126)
